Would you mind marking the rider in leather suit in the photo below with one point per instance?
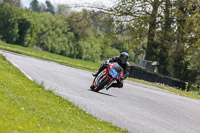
(122, 60)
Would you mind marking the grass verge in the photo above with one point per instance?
(190, 94)
(77, 63)
(27, 107)
(81, 64)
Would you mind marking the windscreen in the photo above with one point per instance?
(117, 67)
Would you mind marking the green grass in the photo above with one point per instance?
(85, 65)
(77, 63)
(27, 107)
(190, 94)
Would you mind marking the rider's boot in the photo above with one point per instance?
(95, 74)
(108, 87)
(100, 69)
(118, 85)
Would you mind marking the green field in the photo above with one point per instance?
(27, 107)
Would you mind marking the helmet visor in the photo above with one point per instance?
(124, 60)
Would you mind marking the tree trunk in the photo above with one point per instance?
(180, 65)
(150, 54)
(165, 39)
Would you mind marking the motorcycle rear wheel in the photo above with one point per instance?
(102, 84)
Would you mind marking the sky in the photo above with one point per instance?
(26, 3)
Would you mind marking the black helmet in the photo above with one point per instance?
(124, 57)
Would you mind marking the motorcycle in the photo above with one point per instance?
(105, 78)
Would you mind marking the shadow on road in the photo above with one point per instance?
(102, 93)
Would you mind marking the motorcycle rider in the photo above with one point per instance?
(122, 60)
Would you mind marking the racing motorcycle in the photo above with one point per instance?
(105, 78)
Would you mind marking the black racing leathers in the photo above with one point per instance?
(126, 69)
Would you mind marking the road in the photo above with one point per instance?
(136, 107)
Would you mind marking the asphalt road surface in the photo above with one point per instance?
(136, 107)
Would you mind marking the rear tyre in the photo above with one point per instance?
(102, 84)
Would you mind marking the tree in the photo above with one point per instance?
(54, 35)
(34, 6)
(192, 44)
(166, 37)
(151, 43)
(63, 9)
(141, 17)
(193, 58)
(169, 31)
(23, 27)
(50, 7)
(89, 49)
(16, 3)
(42, 7)
(80, 24)
(184, 38)
(8, 24)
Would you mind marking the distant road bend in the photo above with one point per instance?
(136, 107)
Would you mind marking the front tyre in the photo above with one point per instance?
(92, 87)
(102, 84)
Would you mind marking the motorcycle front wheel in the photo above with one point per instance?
(102, 84)
(92, 87)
